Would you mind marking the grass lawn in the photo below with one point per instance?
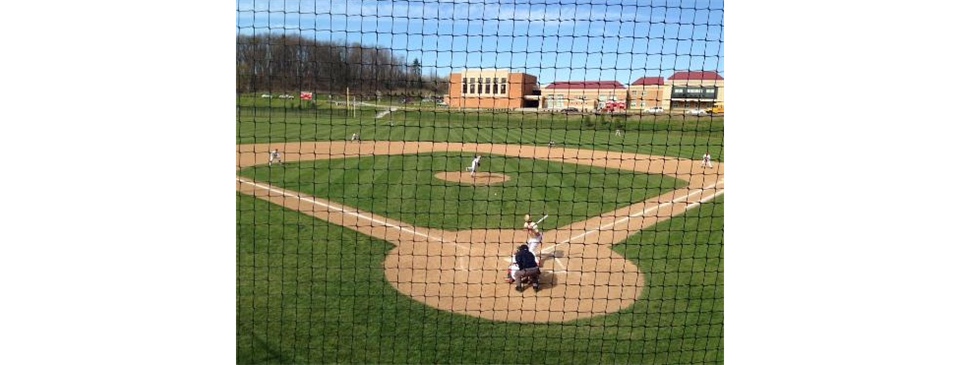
(404, 187)
(313, 292)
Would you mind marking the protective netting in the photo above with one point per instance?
(511, 181)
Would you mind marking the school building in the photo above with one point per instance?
(492, 89)
(501, 88)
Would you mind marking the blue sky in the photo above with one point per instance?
(552, 39)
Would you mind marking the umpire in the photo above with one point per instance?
(528, 269)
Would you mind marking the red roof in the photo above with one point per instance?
(585, 85)
(649, 80)
(696, 75)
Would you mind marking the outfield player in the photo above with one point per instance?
(706, 161)
(355, 137)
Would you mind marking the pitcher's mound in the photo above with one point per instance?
(479, 178)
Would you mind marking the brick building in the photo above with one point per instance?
(492, 88)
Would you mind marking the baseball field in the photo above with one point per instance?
(384, 250)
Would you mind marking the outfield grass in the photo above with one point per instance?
(403, 187)
(681, 136)
(313, 292)
(321, 101)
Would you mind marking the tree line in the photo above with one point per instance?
(282, 62)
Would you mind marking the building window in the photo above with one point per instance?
(555, 101)
(496, 87)
(464, 88)
(487, 89)
(694, 93)
(471, 88)
(503, 85)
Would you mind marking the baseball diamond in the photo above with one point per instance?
(480, 182)
(588, 279)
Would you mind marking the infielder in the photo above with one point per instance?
(274, 156)
(355, 137)
(706, 161)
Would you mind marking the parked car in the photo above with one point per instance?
(613, 106)
(265, 96)
(654, 110)
(286, 96)
(570, 110)
(696, 112)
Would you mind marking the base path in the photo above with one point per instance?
(464, 271)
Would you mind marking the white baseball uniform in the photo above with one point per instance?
(474, 164)
(274, 156)
(706, 161)
(513, 267)
(534, 237)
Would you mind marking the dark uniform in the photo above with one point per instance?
(528, 268)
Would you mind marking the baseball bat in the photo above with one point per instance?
(542, 218)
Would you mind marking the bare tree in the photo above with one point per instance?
(282, 62)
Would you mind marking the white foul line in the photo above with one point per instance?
(342, 210)
(645, 211)
(557, 259)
